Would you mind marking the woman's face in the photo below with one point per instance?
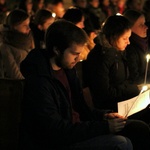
(23, 27)
(29, 5)
(123, 40)
(46, 24)
(139, 27)
(81, 23)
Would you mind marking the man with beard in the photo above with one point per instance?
(55, 115)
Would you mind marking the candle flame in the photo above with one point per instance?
(144, 88)
(147, 57)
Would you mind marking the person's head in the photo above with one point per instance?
(90, 30)
(105, 3)
(75, 15)
(80, 3)
(137, 20)
(37, 5)
(18, 20)
(2, 2)
(43, 19)
(56, 6)
(94, 3)
(64, 43)
(117, 30)
(134, 4)
(26, 5)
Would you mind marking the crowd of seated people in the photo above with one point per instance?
(112, 72)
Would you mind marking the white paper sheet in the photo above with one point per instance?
(134, 105)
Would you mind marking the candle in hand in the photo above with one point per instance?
(147, 57)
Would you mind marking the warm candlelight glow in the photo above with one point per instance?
(53, 15)
(147, 57)
(118, 14)
(144, 88)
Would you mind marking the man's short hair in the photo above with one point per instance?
(62, 34)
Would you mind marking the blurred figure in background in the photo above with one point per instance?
(106, 8)
(4, 10)
(3, 6)
(121, 6)
(56, 6)
(134, 5)
(82, 4)
(113, 5)
(15, 43)
(42, 20)
(37, 5)
(75, 15)
(27, 6)
(97, 16)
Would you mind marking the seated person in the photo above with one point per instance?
(107, 70)
(55, 115)
(42, 20)
(138, 49)
(16, 42)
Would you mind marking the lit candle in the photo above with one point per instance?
(147, 57)
(144, 88)
(147, 61)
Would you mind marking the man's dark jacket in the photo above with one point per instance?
(47, 119)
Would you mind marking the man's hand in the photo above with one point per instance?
(113, 115)
(116, 125)
(116, 122)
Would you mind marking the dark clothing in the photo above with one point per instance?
(47, 117)
(107, 76)
(47, 114)
(136, 57)
(96, 15)
(39, 36)
(14, 47)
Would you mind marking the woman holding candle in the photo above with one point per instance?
(107, 73)
(138, 50)
(107, 67)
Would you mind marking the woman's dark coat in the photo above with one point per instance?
(107, 75)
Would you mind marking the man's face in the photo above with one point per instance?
(70, 56)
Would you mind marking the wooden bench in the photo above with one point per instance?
(11, 93)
